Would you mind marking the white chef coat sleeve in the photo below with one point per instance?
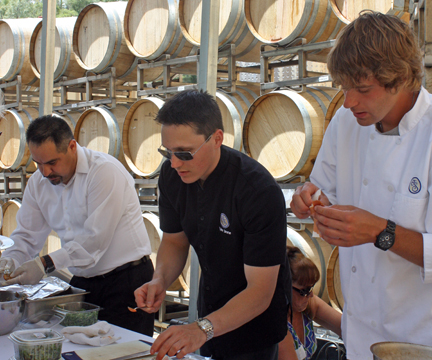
(106, 204)
(32, 229)
(323, 173)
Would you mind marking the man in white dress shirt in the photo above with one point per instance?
(90, 200)
(374, 170)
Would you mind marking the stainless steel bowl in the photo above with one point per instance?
(12, 307)
(400, 351)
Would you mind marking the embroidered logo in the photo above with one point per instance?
(414, 186)
(224, 221)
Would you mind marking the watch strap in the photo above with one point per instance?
(206, 326)
(391, 227)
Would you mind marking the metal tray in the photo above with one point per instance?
(33, 307)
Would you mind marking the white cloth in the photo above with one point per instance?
(387, 298)
(99, 334)
(97, 216)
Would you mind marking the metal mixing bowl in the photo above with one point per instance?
(12, 306)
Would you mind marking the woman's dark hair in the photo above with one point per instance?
(198, 109)
(52, 128)
(303, 270)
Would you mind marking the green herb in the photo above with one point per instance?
(40, 352)
(80, 318)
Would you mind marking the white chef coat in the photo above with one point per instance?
(96, 214)
(387, 298)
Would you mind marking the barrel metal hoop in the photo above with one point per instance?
(324, 24)
(228, 30)
(304, 22)
(21, 149)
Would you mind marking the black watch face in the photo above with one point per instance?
(385, 240)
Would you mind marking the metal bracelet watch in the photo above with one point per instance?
(206, 326)
(49, 264)
(386, 238)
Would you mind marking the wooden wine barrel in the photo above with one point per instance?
(151, 222)
(232, 27)
(348, 10)
(99, 42)
(65, 60)
(10, 209)
(14, 50)
(283, 130)
(152, 29)
(98, 128)
(71, 117)
(315, 249)
(142, 137)
(234, 107)
(333, 281)
(282, 21)
(334, 106)
(14, 152)
(52, 244)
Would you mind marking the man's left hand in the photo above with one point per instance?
(178, 340)
(346, 226)
(29, 273)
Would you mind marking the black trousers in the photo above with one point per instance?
(270, 353)
(115, 292)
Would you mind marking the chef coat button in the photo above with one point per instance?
(398, 141)
(202, 218)
(69, 229)
(390, 188)
(373, 279)
(207, 288)
(372, 136)
(349, 313)
(365, 182)
(201, 246)
(353, 269)
(373, 323)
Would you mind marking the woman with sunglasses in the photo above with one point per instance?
(300, 342)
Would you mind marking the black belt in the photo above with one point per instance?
(128, 265)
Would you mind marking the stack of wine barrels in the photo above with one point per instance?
(281, 129)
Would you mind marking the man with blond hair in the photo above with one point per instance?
(375, 176)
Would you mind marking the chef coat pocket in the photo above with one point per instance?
(409, 212)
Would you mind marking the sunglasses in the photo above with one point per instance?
(304, 292)
(181, 155)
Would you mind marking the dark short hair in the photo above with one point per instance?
(195, 108)
(380, 45)
(50, 128)
(303, 270)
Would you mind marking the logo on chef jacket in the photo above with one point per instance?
(414, 186)
(224, 224)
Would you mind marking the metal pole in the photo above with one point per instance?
(207, 79)
(47, 57)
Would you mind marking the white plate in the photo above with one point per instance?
(5, 242)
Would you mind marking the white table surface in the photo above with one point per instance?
(7, 347)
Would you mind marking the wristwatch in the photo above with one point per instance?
(386, 238)
(206, 326)
(49, 265)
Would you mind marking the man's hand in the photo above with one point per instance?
(29, 273)
(150, 296)
(346, 226)
(302, 200)
(178, 340)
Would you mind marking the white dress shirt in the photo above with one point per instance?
(387, 298)
(96, 214)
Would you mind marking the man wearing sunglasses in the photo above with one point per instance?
(230, 209)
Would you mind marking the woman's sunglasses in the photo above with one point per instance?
(304, 292)
(181, 155)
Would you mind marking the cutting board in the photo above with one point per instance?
(109, 352)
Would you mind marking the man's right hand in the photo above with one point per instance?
(8, 265)
(302, 200)
(150, 295)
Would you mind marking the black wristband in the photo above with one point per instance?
(50, 267)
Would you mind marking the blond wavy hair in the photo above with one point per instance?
(378, 45)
